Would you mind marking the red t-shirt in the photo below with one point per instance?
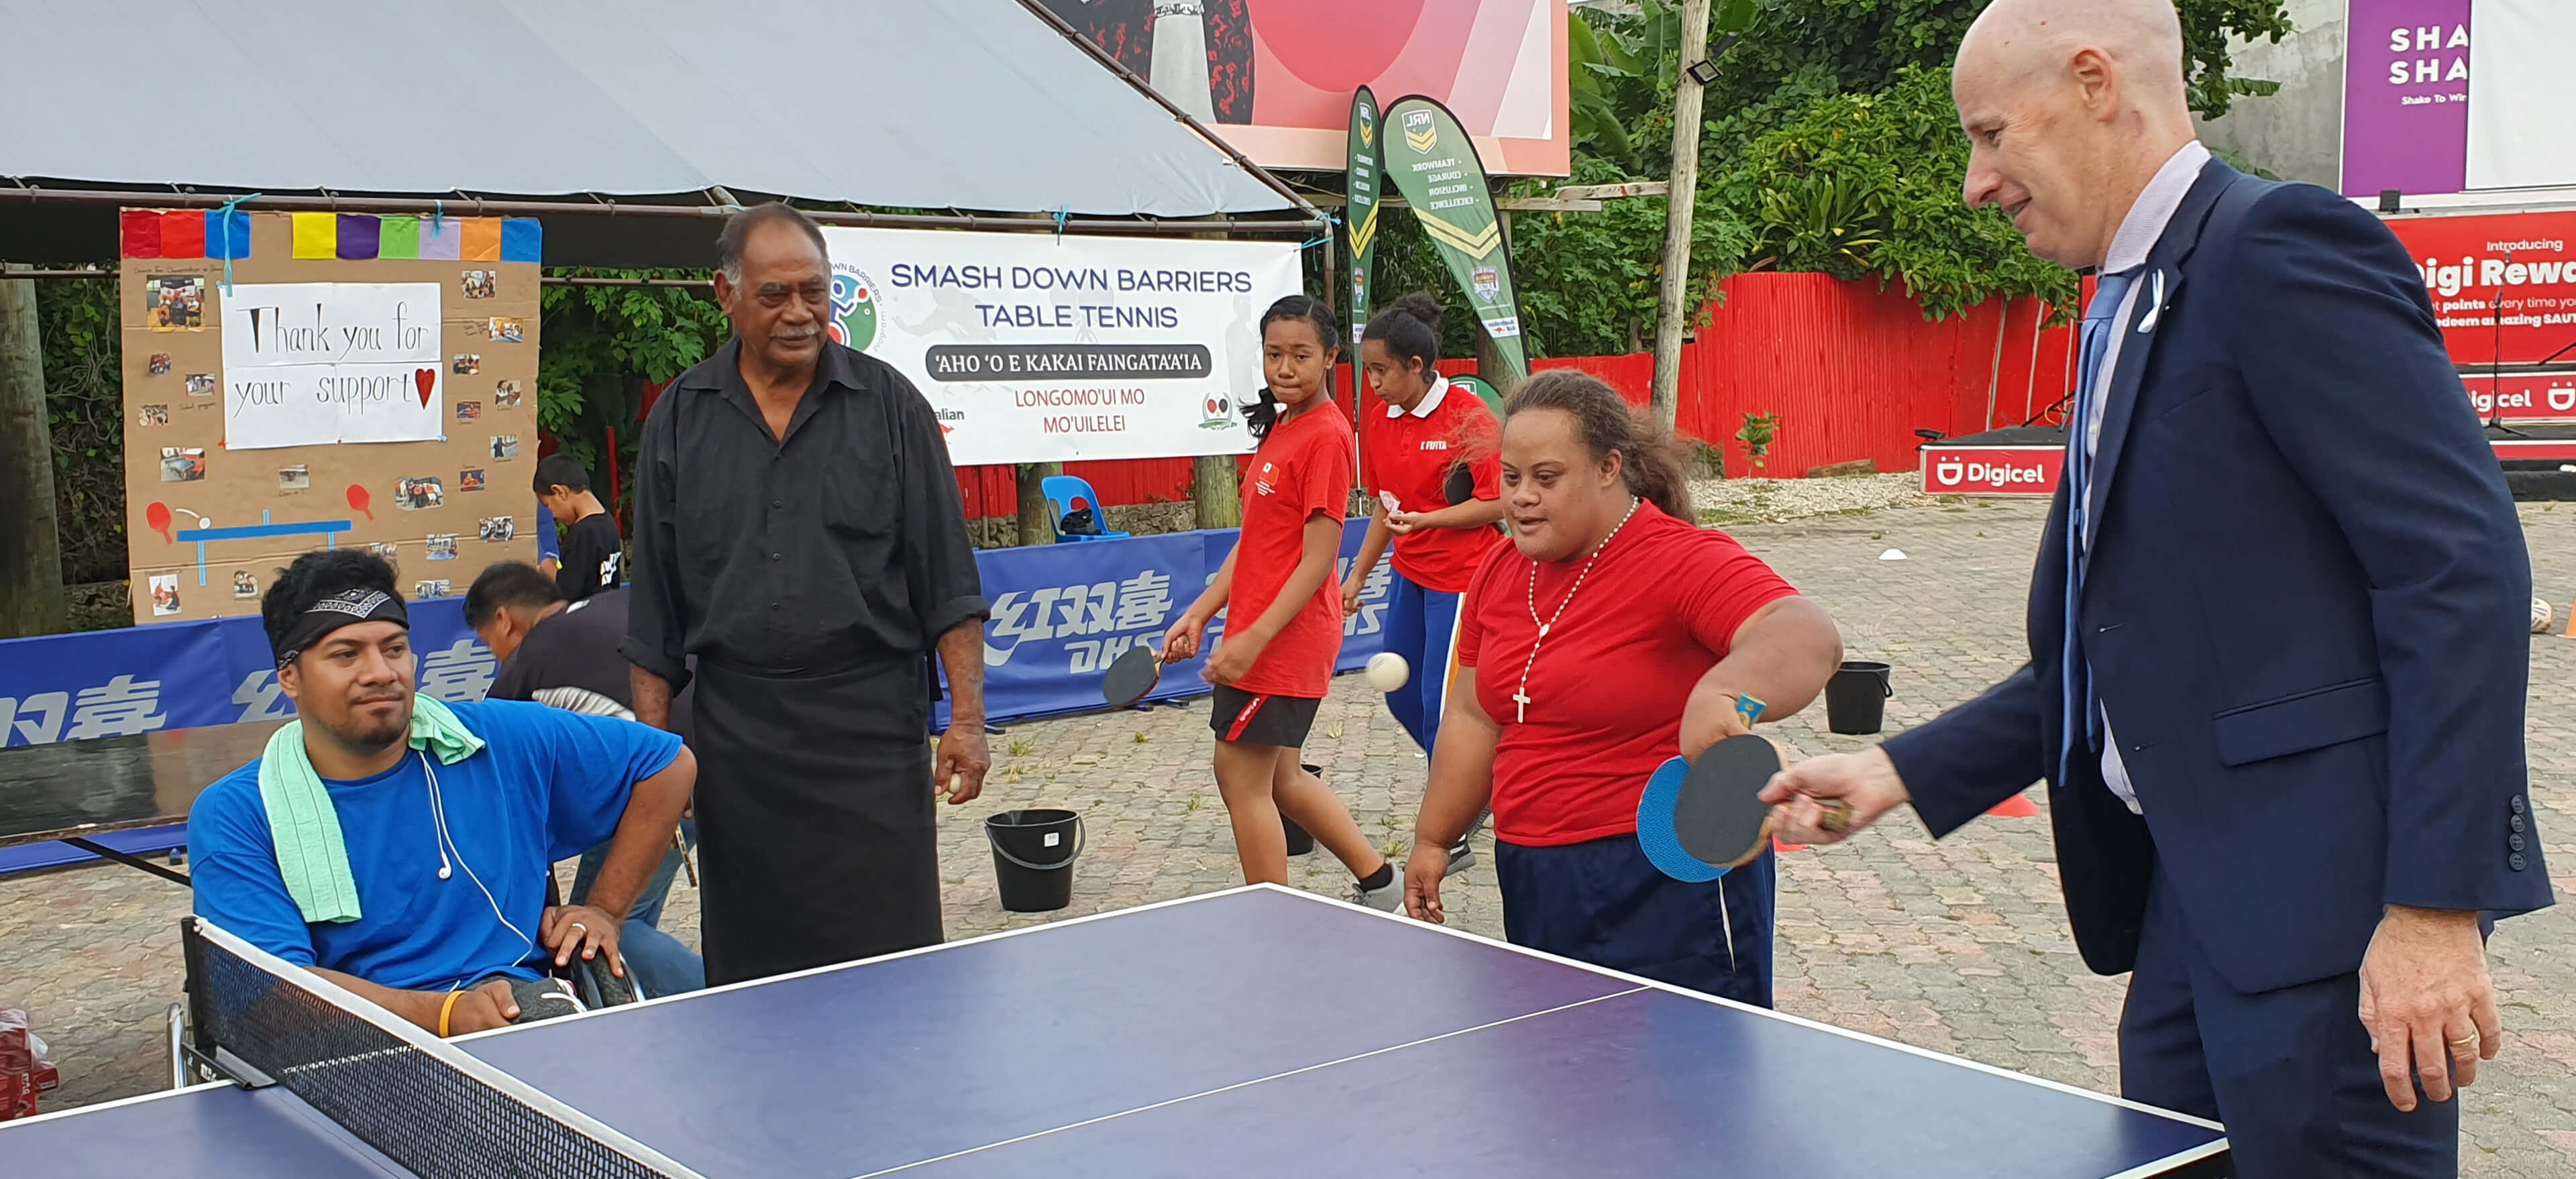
(1410, 454)
(1606, 690)
(1302, 470)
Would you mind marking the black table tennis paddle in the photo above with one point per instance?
(1700, 817)
(1131, 676)
(1461, 487)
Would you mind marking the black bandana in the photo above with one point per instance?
(339, 610)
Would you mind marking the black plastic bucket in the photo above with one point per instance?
(1299, 842)
(1856, 698)
(1033, 854)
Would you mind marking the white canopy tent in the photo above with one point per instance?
(942, 105)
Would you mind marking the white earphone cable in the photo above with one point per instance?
(447, 842)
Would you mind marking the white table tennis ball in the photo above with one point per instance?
(1388, 671)
(2539, 615)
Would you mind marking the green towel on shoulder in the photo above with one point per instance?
(302, 823)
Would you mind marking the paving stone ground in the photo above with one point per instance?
(1959, 946)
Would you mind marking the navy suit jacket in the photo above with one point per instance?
(2306, 610)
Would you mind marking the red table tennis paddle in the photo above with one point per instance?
(157, 518)
(358, 499)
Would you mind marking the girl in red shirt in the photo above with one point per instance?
(1429, 461)
(1284, 624)
(1610, 635)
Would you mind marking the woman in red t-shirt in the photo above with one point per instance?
(1283, 611)
(1429, 461)
(1612, 634)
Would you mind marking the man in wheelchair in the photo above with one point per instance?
(403, 847)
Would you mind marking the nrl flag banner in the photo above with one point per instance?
(1435, 167)
(1036, 349)
(1359, 216)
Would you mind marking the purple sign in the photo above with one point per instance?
(2406, 97)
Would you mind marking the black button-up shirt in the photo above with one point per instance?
(840, 545)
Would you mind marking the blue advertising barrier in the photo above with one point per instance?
(1061, 613)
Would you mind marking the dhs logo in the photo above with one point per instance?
(854, 308)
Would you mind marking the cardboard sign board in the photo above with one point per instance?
(366, 381)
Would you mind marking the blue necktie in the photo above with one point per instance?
(2081, 714)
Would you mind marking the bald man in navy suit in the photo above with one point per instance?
(2278, 629)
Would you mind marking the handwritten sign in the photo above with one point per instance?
(323, 362)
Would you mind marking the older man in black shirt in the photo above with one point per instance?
(798, 529)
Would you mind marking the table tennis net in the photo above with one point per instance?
(425, 1104)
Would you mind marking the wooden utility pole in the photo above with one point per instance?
(31, 558)
(1216, 497)
(1670, 305)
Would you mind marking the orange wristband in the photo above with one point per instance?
(445, 1009)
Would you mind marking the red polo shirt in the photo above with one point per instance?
(1302, 470)
(1660, 607)
(1409, 454)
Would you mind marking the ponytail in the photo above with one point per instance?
(1410, 329)
(1650, 460)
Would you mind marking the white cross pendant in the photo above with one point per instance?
(1521, 713)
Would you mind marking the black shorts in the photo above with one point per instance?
(1240, 716)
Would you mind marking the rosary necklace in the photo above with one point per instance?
(1520, 696)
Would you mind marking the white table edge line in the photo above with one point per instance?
(137, 1099)
(2171, 1161)
(1246, 1084)
(1767, 1013)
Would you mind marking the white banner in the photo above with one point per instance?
(2518, 94)
(322, 362)
(1034, 348)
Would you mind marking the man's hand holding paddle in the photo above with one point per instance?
(1866, 782)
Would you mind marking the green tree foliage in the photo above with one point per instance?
(1802, 50)
(1831, 146)
(76, 320)
(1863, 184)
(1589, 279)
(600, 344)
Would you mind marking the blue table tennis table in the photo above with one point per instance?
(1254, 1032)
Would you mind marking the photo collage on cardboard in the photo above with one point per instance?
(361, 382)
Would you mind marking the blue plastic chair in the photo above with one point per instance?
(1067, 492)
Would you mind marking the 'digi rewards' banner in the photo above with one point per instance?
(1034, 348)
(1434, 165)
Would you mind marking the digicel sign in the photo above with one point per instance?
(1992, 470)
(2517, 265)
(2522, 396)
